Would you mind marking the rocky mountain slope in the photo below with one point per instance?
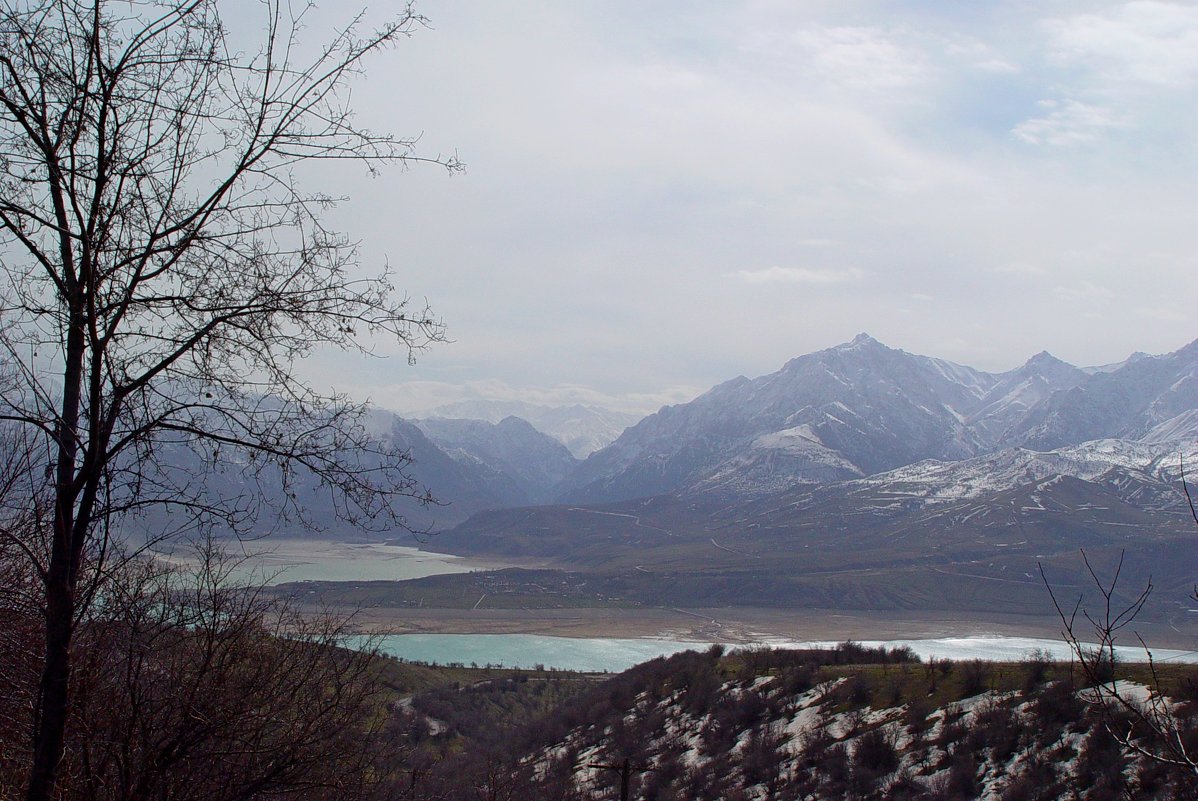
(862, 408)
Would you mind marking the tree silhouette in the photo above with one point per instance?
(162, 271)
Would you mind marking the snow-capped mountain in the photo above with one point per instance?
(865, 477)
(1147, 396)
(855, 409)
(1009, 401)
(862, 408)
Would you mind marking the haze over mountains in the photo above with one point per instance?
(583, 429)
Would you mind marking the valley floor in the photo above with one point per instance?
(733, 624)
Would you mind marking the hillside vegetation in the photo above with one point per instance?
(764, 724)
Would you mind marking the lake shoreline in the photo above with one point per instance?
(739, 625)
(303, 560)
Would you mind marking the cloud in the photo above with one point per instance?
(1068, 122)
(1018, 268)
(862, 57)
(1141, 42)
(1084, 292)
(658, 170)
(797, 275)
(980, 56)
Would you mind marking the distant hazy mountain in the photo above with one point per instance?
(849, 426)
(306, 508)
(460, 489)
(582, 429)
(524, 465)
(864, 477)
(862, 408)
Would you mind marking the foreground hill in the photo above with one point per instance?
(845, 723)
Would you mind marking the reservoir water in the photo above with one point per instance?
(595, 655)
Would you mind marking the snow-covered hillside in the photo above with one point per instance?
(946, 482)
(849, 723)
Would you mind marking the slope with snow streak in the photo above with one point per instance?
(942, 482)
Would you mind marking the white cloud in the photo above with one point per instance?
(1084, 292)
(980, 56)
(1068, 122)
(1018, 268)
(1143, 42)
(797, 275)
(863, 57)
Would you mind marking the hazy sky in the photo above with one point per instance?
(662, 196)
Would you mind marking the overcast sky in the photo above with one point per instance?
(662, 196)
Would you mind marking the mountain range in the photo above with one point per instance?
(862, 408)
(863, 476)
(858, 476)
(856, 410)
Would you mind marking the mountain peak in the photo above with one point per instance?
(1043, 358)
(863, 339)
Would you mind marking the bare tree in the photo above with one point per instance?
(1148, 726)
(190, 685)
(161, 273)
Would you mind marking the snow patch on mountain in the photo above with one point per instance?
(945, 482)
(777, 461)
(1181, 427)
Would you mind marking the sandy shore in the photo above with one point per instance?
(735, 625)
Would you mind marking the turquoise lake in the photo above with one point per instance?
(595, 655)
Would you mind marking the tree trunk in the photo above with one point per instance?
(50, 719)
(54, 692)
